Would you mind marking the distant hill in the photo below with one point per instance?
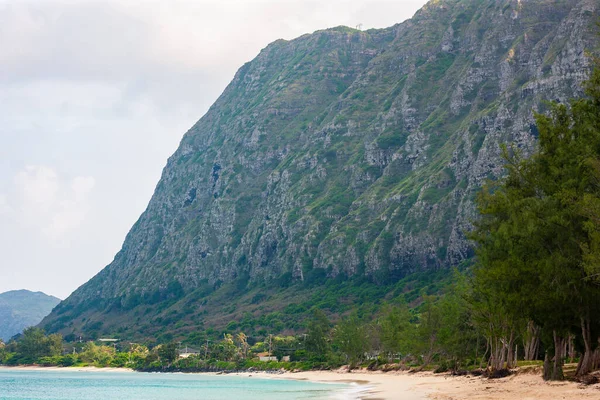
(22, 308)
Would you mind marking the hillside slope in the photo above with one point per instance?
(20, 309)
(339, 154)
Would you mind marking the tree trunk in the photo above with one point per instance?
(571, 348)
(510, 355)
(493, 354)
(498, 355)
(596, 357)
(502, 359)
(487, 348)
(547, 367)
(557, 370)
(586, 362)
(429, 356)
(531, 344)
(554, 371)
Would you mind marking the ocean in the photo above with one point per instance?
(88, 385)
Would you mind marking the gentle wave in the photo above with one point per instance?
(76, 385)
(354, 392)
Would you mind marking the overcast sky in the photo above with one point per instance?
(95, 96)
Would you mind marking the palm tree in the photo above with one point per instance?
(243, 339)
(228, 346)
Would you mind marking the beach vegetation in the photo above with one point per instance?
(537, 242)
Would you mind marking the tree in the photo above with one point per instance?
(430, 323)
(395, 331)
(457, 337)
(100, 356)
(350, 336)
(243, 341)
(537, 238)
(34, 344)
(137, 353)
(3, 352)
(318, 335)
(227, 347)
(167, 352)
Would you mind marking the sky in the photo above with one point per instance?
(95, 96)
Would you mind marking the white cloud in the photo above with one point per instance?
(72, 210)
(82, 186)
(5, 208)
(38, 188)
(54, 205)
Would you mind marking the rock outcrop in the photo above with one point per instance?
(347, 153)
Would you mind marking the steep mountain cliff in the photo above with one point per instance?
(20, 309)
(342, 154)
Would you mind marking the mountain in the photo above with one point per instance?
(340, 156)
(20, 309)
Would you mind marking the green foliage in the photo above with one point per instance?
(318, 335)
(350, 337)
(67, 360)
(396, 331)
(168, 352)
(33, 345)
(312, 134)
(4, 353)
(392, 141)
(99, 356)
(536, 234)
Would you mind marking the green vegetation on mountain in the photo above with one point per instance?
(534, 286)
(338, 171)
(20, 309)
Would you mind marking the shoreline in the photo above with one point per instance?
(368, 385)
(427, 385)
(66, 369)
(379, 385)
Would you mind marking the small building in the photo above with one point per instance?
(107, 340)
(188, 351)
(266, 357)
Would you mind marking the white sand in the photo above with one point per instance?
(405, 386)
(419, 386)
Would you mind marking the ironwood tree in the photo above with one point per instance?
(538, 236)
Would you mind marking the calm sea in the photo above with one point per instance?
(80, 385)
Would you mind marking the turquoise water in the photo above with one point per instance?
(79, 385)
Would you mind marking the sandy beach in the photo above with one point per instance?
(405, 386)
(416, 386)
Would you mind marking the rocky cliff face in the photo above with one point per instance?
(347, 153)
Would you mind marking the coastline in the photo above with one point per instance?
(379, 385)
(371, 385)
(65, 369)
(426, 385)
